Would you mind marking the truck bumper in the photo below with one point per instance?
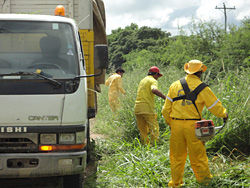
(23, 165)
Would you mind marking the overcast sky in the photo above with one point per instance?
(171, 14)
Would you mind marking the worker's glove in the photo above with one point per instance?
(225, 119)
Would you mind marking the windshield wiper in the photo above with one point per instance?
(20, 73)
(90, 75)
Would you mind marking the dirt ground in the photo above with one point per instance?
(92, 134)
(91, 169)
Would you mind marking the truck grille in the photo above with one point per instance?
(15, 145)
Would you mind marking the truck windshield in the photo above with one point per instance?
(28, 46)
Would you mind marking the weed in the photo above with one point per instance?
(127, 163)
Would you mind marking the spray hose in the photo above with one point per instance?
(219, 128)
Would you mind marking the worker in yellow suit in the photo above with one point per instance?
(181, 116)
(144, 106)
(115, 88)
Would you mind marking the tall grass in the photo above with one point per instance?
(233, 91)
(126, 163)
(134, 165)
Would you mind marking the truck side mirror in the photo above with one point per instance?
(101, 56)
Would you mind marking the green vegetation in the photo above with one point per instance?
(132, 38)
(124, 162)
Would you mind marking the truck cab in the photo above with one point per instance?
(43, 97)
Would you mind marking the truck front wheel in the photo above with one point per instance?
(73, 181)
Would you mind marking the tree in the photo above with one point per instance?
(132, 38)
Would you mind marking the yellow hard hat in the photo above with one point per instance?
(194, 66)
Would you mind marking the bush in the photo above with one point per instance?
(125, 162)
(233, 91)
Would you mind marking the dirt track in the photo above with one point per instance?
(90, 173)
(92, 134)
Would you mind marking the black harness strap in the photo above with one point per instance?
(199, 88)
(190, 95)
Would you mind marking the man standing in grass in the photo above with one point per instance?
(144, 106)
(115, 88)
(181, 116)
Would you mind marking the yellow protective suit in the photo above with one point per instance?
(144, 110)
(115, 87)
(183, 139)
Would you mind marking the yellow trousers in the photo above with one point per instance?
(182, 142)
(148, 127)
(114, 102)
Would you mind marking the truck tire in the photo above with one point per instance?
(73, 181)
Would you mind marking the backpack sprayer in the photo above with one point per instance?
(205, 129)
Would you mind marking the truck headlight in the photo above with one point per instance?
(67, 138)
(48, 138)
(80, 137)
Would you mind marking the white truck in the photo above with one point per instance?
(47, 86)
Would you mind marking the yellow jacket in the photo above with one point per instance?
(115, 84)
(145, 103)
(184, 109)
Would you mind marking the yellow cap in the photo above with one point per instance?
(194, 66)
